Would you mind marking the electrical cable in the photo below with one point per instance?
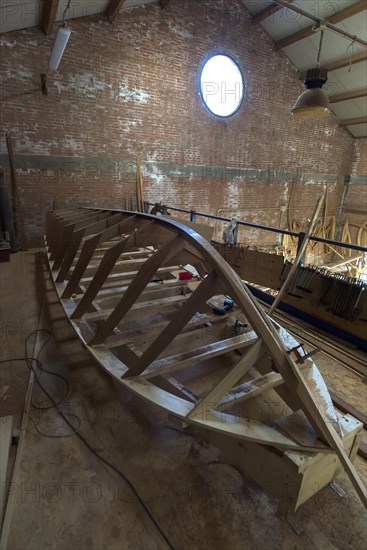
(29, 361)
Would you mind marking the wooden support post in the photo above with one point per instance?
(299, 256)
(17, 207)
(50, 8)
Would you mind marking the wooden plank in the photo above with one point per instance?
(294, 380)
(309, 31)
(349, 11)
(6, 426)
(66, 233)
(49, 12)
(353, 121)
(103, 271)
(187, 358)
(362, 451)
(18, 219)
(345, 62)
(348, 408)
(114, 8)
(269, 11)
(140, 308)
(205, 291)
(337, 98)
(76, 237)
(88, 251)
(193, 329)
(250, 389)
(138, 284)
(300, 253)
(250, 430)
(243, 365)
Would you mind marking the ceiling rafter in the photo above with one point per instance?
(354, 9)
(49, 15)
(353, 121)
(348, 95)
(341, 63)
(113, 9)
(346, 61)
(268, 12)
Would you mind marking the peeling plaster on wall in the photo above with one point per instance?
(180, 31)
(86, 81)
(127, 125)
(356, 158)
(134, 95)
(26, 143)
(5, 42)
(18, 72)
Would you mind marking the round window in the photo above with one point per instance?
(221, 85)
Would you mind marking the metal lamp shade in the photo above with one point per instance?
(312, 103)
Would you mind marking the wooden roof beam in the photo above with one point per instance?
(354, 9)
(113, 9)
(341, 63)
(352, 121)
(268, 12)
(347, 95)
(346, 61)
(49, 15)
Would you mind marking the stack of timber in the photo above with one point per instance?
(163, 313)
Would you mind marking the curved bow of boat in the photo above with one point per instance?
(152, 301)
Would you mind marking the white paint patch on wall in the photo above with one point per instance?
(87, 81)
(179, 31)
(133, 95)
(127, 125)
(18, 72)
(7, 43)
(153, 173)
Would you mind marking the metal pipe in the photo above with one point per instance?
(321, 22)
(267, 228)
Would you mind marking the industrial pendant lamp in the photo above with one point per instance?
(313, 102)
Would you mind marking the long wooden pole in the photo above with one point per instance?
(300, 254)
(19, 228)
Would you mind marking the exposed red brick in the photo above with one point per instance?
(132, 88)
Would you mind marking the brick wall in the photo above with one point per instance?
(355, 204)
(131, 88)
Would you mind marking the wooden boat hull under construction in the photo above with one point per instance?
(162, 312)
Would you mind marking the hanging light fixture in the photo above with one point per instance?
(313, 102)
(62, 38)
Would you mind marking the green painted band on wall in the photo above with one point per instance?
(98, 166)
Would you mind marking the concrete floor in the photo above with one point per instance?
(63, 497)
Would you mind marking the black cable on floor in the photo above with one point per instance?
(29, 361)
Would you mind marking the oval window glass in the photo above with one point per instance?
(222, 85)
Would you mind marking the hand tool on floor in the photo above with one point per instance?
(227, 305)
